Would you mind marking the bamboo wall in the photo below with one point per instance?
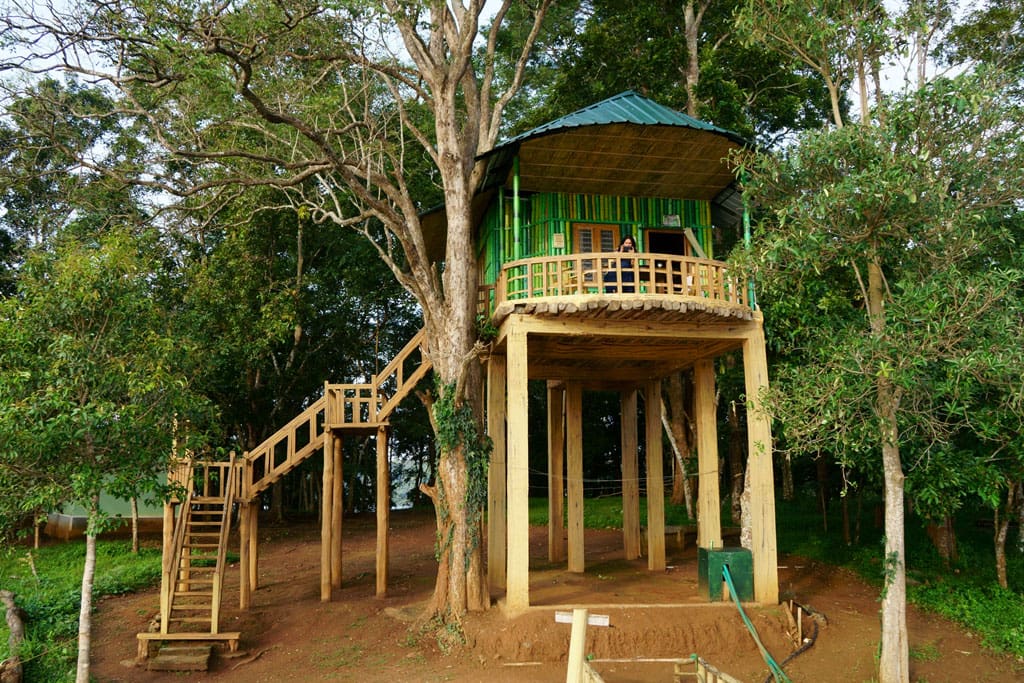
(544, 215)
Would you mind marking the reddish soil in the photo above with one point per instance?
(655, 618)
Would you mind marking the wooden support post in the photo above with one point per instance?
(577, 647)
(655, 481)
(709, 516)
(496, 473)
(166, 583)
(630, 476)
(556, 472)
(517, 594)
(759, 468)
(244, 589)
(337, 504)
(326, 509)
(254, 546)
(383, 510)
(574, 473)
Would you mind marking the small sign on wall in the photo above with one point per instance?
(558, 240)
(671, 220)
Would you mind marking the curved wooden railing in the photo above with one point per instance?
(665, 275)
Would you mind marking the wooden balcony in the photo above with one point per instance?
(665, 286)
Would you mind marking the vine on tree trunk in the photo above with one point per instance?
(457, 427)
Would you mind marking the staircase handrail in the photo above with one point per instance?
(396, 368)
(228, 490)
(265, 450)
(172, 565)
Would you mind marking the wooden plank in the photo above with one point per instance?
(254, 547)
(709, 523)
(326, 514)
(574, 473)
(244, 589)
(383, 510)
(655, 482)
(337, 508)
(577, 647)
(496, 473)
(517, 595)
(630, 475)
(556, 470)
(764, 550)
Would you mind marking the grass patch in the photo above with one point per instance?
(965, 592)
(926, 652)
(46, 584)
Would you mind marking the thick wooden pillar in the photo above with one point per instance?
(496, 473)
(556, 472)
(337, 509)
(326, 509)
(383, 509)
(630, 475)
(244, 588)
(759, 469)
(709, 516)
(655, 480)
(574, 472)
(167, 552)
(517, 594)
(254, 547)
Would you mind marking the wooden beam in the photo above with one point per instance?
(325, 524)
(759, 469)
(709, 516)
(556, 470)
(383, 510)
(496, 473)
(254, 546)
(573, 327)
(517, 594)
(655, 481)
(244, 589)
(574, 473)
(337, 513)
(630, 475)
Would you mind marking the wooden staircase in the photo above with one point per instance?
(195, 556)
(350, 408)
(195, 562)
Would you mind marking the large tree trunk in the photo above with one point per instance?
(85, 611)
(676, 419)
(894, 657)
(1014, 493)
(11, 669)
(737, 462)
(135, 525)
(823, 489)
(943, 537)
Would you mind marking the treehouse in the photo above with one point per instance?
(570, 310)
(567, 309)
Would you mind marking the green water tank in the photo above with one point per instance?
(710, 579)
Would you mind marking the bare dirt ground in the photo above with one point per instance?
(289, 635)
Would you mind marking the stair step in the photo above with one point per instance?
(194, 594)
(181, 658)
(189, 620)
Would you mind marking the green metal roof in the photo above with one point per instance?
(626, 107)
